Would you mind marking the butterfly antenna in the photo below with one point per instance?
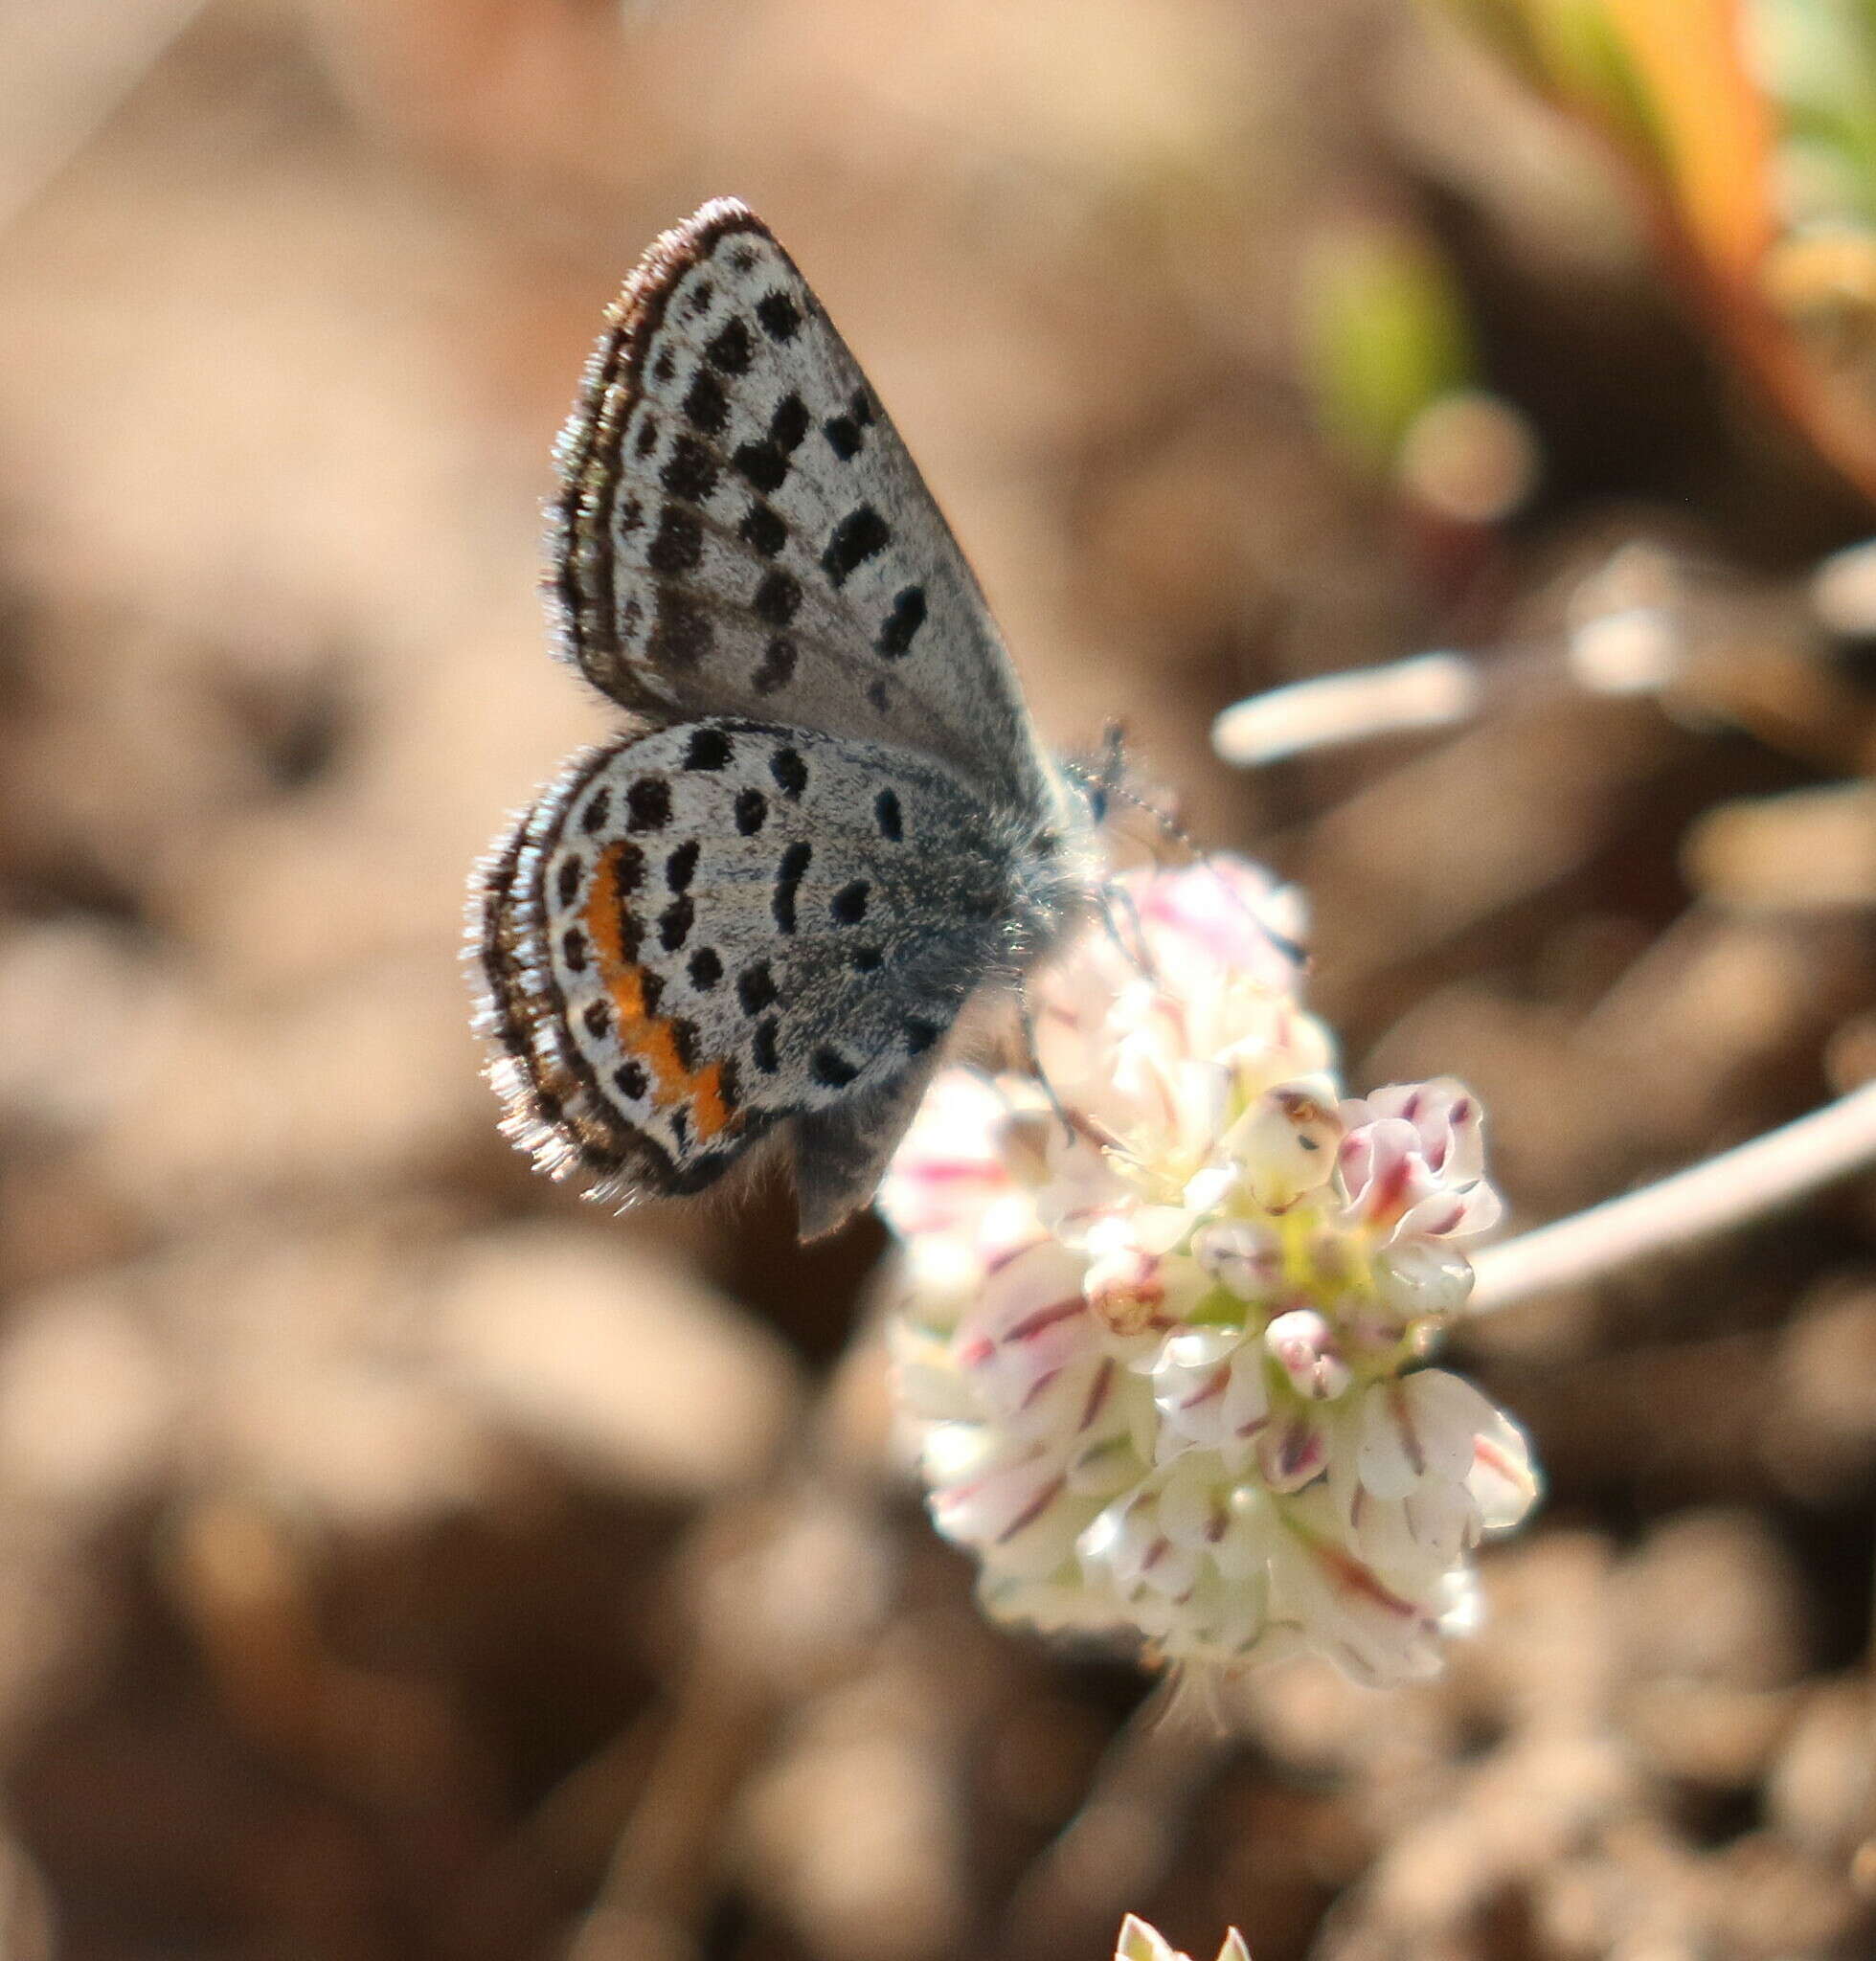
(1106, 784)
(1169, 825)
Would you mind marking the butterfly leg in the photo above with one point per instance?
(1113, 898)
(1034, 1055)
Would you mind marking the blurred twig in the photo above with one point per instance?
(659, 1879)
(86, 77)
(788, 1587)
(1116, 1848)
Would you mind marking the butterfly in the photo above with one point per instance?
(832, 823)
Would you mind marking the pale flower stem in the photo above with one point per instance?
(1427, 691)
(1626, 650)
(1727, 1191)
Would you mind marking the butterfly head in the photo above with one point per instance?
(1100, 780)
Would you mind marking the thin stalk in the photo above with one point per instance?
(1723, 1193)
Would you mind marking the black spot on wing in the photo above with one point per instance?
(765, 463)
(888, 814)
(790, 773)
(751, 811)
(778, 317)
(679, 546)
(690, 471)
(681, 866)
(732, 348)
(755, 989)
(674, 923)
(789, 424)
(599, 807)
(711, 749)
(682, 634)
(762, 1045)
(779, 597)
(648, 804)
(789, 873)
(907, 617)
(762, 529)
(706, 406)
(859, 535)
(706, 969)
(778, 667)
(831, 1069)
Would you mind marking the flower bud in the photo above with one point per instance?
(1302, 1345)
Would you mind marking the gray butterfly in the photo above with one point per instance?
(764, 910)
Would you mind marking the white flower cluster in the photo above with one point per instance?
(1158, 1343)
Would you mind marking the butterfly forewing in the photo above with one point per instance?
(740, 529)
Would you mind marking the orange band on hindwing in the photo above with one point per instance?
(649, 1039)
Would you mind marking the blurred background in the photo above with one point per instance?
(399, 1558)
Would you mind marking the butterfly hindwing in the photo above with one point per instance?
(723, 926)
(740, 529)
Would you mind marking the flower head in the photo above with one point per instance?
(1162, 1359)
(1140, 1941)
